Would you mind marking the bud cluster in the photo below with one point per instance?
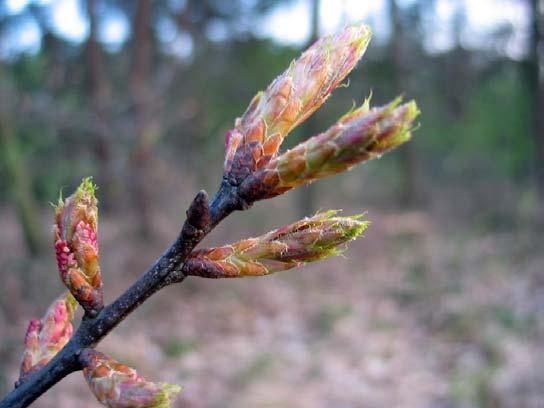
(253, 170)
(360, 135)
(290, 99)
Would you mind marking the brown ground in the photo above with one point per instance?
(415, 315)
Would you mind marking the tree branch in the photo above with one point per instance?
(253, 171)
(201, 218)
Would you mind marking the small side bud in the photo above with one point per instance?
(360, 135)
(198, 214)
(307, 240)
(46, 337)
(76, 246)
(116, 385)
(290, 99)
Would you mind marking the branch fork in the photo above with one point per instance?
(253, 171)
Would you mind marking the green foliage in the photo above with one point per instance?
(477, 106)
(490, 137)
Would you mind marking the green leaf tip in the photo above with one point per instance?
(87, 186)
(164, 398)
(365, 35)
(357, 229)
(60, 201)
(71, 301)
(409, 111)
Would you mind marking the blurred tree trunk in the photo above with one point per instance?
(147, 128)
(100, 93)
(536, 87)
(410, 194)
(51, 49)
(308, 193)
(21, 186)
(458, 68)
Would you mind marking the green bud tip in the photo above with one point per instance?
(87, 187)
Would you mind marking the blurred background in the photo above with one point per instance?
(440, 305)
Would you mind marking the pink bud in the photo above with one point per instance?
(116, 385)
(46, 337)
(76, 246)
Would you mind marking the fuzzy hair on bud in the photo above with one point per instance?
(76, 246)
(290, 99)
(308, 240)
(360, 135)
(46, 337)
(116, 385)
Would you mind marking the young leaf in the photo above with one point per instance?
(307, 240)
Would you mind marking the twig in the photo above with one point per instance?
(253, 171)
(166, 270)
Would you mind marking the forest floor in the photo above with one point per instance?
(414, 315)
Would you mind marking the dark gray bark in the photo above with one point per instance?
(167, 269)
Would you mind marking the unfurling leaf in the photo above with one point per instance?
(46, 337)
(307, 240)
(116, 385)
(290, 99)
(360, 135)
(76, 246)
